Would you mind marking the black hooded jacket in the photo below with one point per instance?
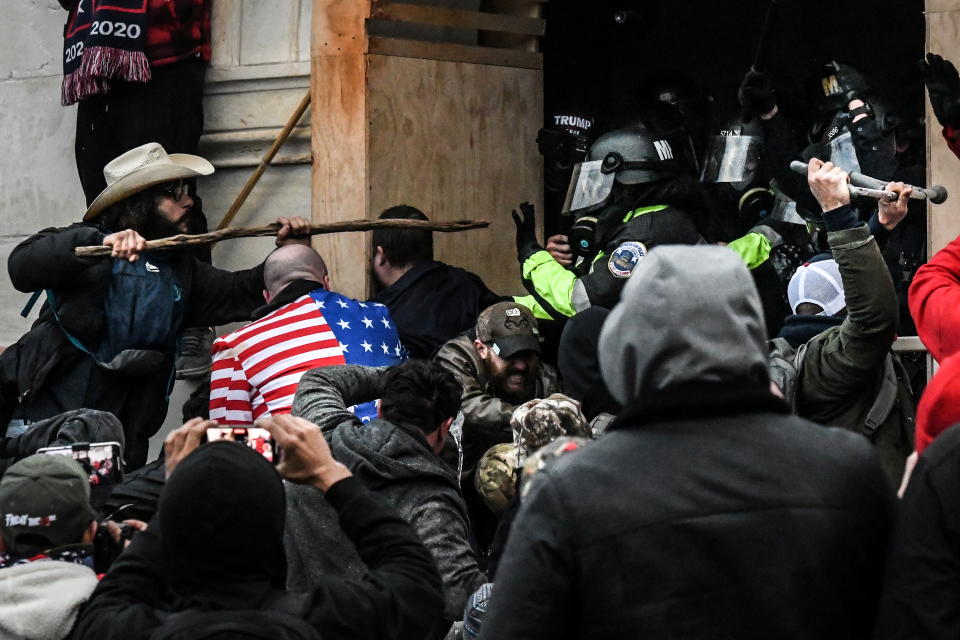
(217, 543)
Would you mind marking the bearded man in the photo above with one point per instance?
(499, 369)
(106, 336)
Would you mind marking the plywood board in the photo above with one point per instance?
(340, 178)
(943, 167)
(457, 140)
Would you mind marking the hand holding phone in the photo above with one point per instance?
(256, 438)
(306, 455)
(181, 442)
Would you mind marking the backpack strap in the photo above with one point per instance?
(886, 397)
(27, 308)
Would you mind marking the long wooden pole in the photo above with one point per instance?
(265, 162)
(186, 240)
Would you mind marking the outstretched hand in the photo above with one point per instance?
(757, 95)
(526, 228)
(943, 85)
(293, 230)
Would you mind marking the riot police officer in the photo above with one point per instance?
(634, 191)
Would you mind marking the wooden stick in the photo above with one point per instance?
(186, 240)
(265, 162)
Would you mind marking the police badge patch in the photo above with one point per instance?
(625, 258)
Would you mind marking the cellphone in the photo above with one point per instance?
(100, 459)
(257, 438)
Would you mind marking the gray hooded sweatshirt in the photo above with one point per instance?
(674, 326)
(395, 462)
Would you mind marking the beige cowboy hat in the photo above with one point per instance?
(143, 167)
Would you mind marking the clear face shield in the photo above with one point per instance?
(843, 153)
(590, 188)
(732, 159)
(785, 210)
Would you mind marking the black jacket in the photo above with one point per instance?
(401, 598)
(921, 590)
(710, 514)
(434, 302)
(48, 375)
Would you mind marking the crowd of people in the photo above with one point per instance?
(694, 425)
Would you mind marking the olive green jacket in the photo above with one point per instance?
(844, 366)
(486, 418)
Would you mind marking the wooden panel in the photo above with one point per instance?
(459, 19)
(338, 27)
(339, 123)
(943, 221)
(457, 141)
(456, 53)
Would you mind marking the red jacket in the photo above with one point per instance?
(939, 406)
(935, 302)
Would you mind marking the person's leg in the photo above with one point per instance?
(95, 144)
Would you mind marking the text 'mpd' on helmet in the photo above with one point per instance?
(632, 155)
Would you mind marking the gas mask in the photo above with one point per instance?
(590, 201)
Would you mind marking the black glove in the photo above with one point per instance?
(943, 85)
(756, 94)
(527, 243)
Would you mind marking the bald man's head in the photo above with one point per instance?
(293, 262)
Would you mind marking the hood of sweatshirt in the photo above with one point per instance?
(381, 452)
(40, 600)
(689, 314)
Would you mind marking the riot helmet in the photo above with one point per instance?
(832, 87)
(733, 165)
(633, 155)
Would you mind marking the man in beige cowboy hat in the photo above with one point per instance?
(106, 337)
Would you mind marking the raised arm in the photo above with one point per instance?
(324, 394)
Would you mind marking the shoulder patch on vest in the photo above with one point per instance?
(625, 258)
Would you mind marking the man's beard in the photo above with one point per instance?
(510, 395)
(158, 227)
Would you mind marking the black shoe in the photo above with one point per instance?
(194, 359)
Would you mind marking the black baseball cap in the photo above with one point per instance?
(508, 328)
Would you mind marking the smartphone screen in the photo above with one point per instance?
(256, 438)
(101, 460)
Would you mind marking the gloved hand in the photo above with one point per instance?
(526, 231)
(943, 85)
(756, 94)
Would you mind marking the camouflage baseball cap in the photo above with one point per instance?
(545, 455)
(508, 328)
(541, 421)
(496, 476)
(44, 503)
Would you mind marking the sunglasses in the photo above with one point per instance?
(175, 190)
